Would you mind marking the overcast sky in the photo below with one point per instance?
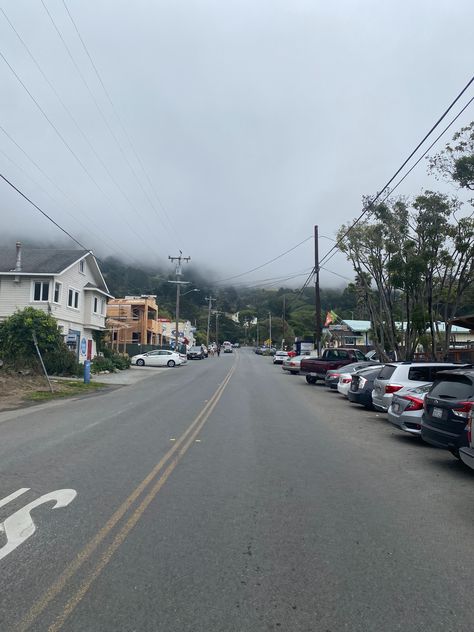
(241, 124)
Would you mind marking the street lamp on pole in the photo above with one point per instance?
(189, 292)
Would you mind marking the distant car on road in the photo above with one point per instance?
(158, 357)
(279, 357)
(195, 353)
(292, 364)
(227, 347)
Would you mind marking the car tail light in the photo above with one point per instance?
(469, 427)
(292, 363)
(462, 409)
(346, 380)
(392, 388)
(334, 375)
(415, 403)
(362, 382)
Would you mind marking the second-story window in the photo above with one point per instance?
(81, 266)
(57, 292)
(96, 305)
(41, 291)
(73, 298)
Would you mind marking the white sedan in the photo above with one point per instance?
(158, 357)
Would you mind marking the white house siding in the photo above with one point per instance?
(15, 296)
(18, 295)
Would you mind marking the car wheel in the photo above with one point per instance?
(140, 362)
(310, 379)
(171, 363)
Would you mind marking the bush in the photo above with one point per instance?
(100, 363)
(61, 361)
(16, 340)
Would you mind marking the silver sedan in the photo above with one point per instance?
(406, 409)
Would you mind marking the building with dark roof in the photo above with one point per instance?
(67, 284)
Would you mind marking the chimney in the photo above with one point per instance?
(18, 257)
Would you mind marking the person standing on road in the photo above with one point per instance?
(218, 351)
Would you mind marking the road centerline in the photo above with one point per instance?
(193, 429)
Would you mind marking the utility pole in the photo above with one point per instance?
(270, 327)
(209, 299)
(178, 273)
(284, 317)
(257, 333)
(317, 295)
(217, 313)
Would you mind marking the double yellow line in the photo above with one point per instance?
(157, 478)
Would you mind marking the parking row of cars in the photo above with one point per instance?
(430, 400)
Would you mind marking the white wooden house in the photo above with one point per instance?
(67, 284)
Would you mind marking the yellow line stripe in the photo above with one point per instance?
(58, 586)
(128, 526)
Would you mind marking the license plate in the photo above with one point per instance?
(313, 374)
(395, 408)
(437, 412)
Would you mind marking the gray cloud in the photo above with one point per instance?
(254, 120)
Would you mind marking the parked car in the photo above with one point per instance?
(292, 364)
(446, 410)
(279, 357)
(236, 345)
(316, 368)
(362, 385)
(195, 353)
(396, 375)
(406, 409)
(332, 376)
(467, 452)
(158, 357)
(345, 380)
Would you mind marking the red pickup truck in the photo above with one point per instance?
(315, 368)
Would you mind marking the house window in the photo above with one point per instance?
(81, 266)
(73, 298)
(57, 292)
(102, 306)
(41, 291)
(96, 305)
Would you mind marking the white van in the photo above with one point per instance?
(227, 347)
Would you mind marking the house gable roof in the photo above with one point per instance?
(49, 261)
(39, 260)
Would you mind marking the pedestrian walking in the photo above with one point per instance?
(218, 351)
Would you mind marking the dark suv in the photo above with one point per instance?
(446, 409)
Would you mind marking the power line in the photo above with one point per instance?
(114, 109)
(99, 109)
(236, 276)
(48, 217)
(450, 124)
(372, 202)
(107, 240)
(62, 138)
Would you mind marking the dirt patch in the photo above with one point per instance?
(18, 390)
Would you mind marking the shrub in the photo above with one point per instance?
(61, 361)
(101, 363)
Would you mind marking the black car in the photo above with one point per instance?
(362, 385)
(195, 353)
(446, 410)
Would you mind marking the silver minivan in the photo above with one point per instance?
(397, 375)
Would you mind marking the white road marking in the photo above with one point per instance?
(20, 526)
(8, 499)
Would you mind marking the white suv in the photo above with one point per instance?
(397, 375)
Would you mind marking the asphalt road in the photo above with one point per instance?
(226, 496)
